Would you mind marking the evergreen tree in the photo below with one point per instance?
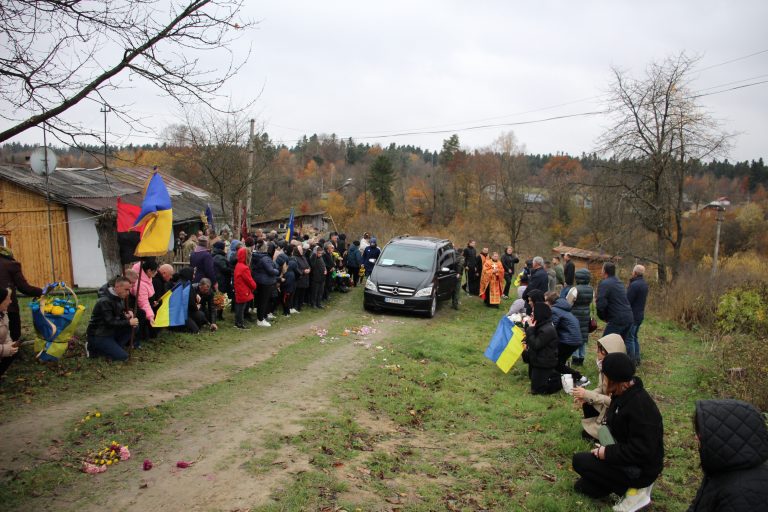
(381, 175)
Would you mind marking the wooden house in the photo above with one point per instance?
(83, 221)
(305, 223)
(583, 258)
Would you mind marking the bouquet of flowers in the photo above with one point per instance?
(107, 456)
(221, 301)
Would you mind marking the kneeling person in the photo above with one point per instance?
(201, 310)
(109, 329)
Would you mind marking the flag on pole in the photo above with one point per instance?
(156, 216)
(289, 233)
(209, 217)
(506, 345)
(173, 309)
(127, 239)
(244, 224)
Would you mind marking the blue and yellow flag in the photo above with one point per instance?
(173, 310)
(156, 216)
(506, 344)
(289, 233)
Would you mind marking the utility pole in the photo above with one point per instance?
(249, 194)
(720, 219)
(106, 109)
(48, 204)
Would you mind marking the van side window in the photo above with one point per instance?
(448, 259)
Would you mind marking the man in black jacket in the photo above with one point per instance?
(473, 271)
(612, 304)
(538, 280)
(569, 271)
(508, 261)
(110, 326)
(201, 310)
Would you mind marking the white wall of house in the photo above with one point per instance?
(88, 268)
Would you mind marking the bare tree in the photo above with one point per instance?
(657, 128)
(217, 144)
(56, 53)
(511, 189)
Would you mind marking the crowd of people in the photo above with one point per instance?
(262, 273)
(619, 416)
(260, 276)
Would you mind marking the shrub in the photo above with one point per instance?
(742, 310)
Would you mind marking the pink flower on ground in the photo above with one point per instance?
(124, 453)
(92, 469)
(147, 464)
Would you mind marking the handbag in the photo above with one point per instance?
(604, 436)
(592, 324)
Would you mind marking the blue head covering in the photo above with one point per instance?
(233, 245)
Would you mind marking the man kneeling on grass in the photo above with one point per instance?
(110, 327)
(630, 455)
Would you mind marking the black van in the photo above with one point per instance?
(412, 274)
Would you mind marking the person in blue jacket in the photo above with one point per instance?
(637, 294)
(612, 304)
(568, 335)
(354, 260)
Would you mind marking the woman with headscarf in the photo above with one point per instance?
(630, 456)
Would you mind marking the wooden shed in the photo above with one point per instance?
(583, 258)
(24, 229)
(83, 203)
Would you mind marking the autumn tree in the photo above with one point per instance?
(562, 175)
(55, 54)
(657, 128)
(381, 175)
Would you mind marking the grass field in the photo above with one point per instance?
(426, 423)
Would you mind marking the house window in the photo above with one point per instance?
(3, 240)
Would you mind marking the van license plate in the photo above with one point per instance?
(394, 301)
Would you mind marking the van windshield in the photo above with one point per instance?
(407, 256)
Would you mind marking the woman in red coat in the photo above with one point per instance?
(244, 286)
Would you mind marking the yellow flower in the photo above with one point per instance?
(98, 414)
(109, 463)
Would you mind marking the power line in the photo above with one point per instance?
(734, 60)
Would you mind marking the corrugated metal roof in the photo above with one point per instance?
(584, 253)
(96, 191)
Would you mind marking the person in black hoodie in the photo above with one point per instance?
(541, 351)
(733, 446)
(632, 453)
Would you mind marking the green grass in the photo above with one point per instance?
(492, 445)
(428, 423)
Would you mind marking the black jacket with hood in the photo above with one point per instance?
(584, 295)
(733, 445)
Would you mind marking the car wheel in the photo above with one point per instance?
(432, 307)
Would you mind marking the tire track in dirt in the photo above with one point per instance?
(33, 431)
(216, 481)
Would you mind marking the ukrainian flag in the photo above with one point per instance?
(156, 216)
(506, 344)
(289, 233)
(173, 310)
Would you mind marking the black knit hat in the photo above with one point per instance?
(618, 367)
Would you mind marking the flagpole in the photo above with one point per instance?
(135, 310)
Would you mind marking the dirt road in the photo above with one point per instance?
(217, 440)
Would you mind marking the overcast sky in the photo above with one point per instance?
(369, 70)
